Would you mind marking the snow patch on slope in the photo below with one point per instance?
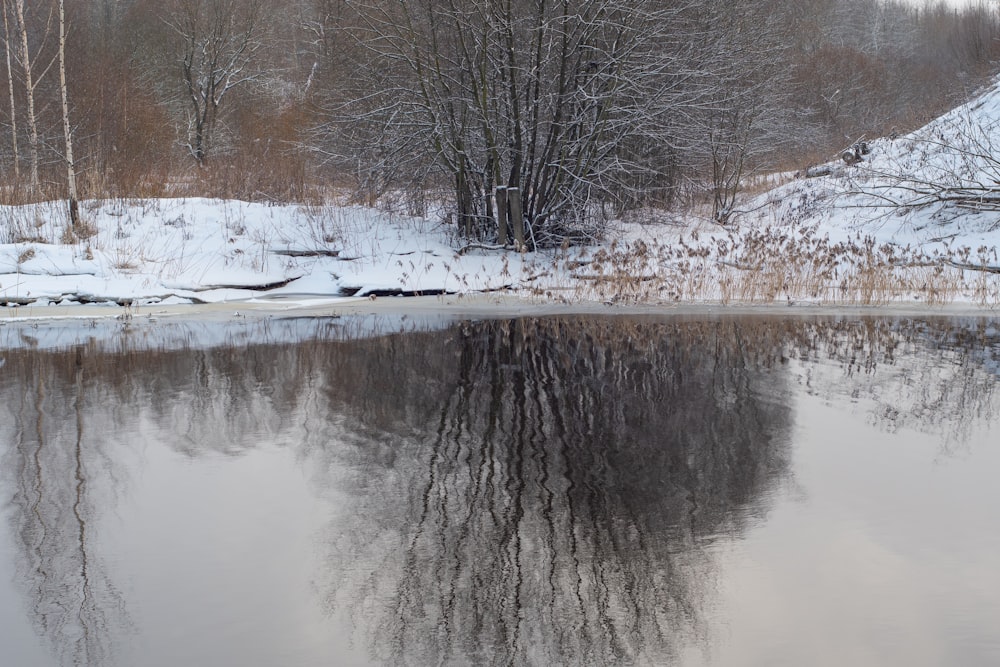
(901, 192)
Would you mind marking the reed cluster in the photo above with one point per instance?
(777, 265)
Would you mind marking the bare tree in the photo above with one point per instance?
(525, 108)
(30, 83)
(742, 124)
(539, 119)
(217, 41)
(950, 164)
(74, 208)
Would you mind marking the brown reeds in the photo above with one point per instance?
(780, 265)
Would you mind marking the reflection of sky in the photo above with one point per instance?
(216, 555)
(18, 643)
(882, 554)
(222, 573)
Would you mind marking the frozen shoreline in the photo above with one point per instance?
(116, 330)
(493, 305)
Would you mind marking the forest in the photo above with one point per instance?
(533, 121)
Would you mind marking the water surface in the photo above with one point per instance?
(717, 491)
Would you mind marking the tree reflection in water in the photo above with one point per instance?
(53, 458)
(572, 473)
(514, 491)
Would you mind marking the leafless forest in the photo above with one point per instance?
(545, 115)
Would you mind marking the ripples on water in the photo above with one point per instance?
(531, 491)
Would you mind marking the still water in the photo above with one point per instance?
(550, 491)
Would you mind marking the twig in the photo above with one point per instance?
(972, 267)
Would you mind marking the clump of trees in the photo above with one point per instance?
(535, 121)
(541, 117)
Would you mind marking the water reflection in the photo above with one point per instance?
(513, 491)
(560, 489)
(54, 456)
(936, 376)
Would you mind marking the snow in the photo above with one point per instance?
(203, 250)
(887, 195)
(177, 251)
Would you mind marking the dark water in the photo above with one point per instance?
(529, 492)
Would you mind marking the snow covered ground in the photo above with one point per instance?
(898, 227)
(938, 184)
(210, 251)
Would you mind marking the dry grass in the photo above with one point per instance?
(776, 266)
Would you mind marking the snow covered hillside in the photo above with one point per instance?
(940, 182)
(915, 219)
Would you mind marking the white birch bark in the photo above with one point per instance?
(74, 215)
(29, 87)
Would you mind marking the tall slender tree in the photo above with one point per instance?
(30, 82)
(74, 208)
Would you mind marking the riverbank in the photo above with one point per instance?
(216, 258)
(462, 306)
(909, 226)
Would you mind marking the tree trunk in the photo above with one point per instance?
(10, 86)
(501, 197)
(29, 89)
(516, 216)
(74, 212)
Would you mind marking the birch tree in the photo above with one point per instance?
(74, 208)
(28, 60)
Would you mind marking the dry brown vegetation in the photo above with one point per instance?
(774, 265)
